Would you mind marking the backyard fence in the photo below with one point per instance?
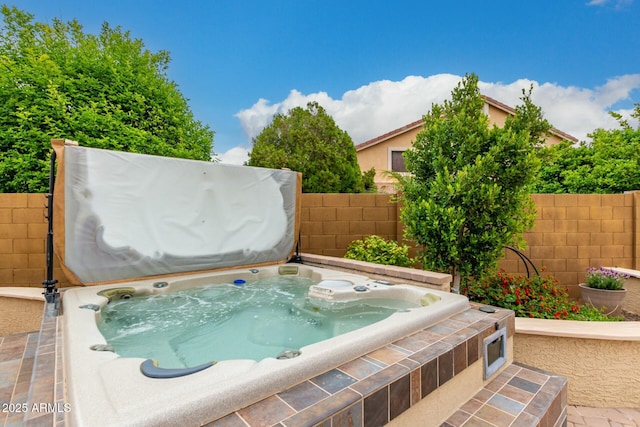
(572, 232)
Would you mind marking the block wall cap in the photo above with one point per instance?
(423, 276)
(22, 293)
(627, 271)
(608, 331)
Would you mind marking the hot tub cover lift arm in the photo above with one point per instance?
(296, 258)
(50, 291)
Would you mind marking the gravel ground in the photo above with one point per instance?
(631, 317)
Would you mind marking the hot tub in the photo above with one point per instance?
(126, 222)
(104, 388)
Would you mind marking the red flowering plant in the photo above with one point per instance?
(538, 296)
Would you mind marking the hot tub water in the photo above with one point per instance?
(252, 320)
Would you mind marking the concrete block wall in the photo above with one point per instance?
(330, 222)
(572, 232)
(23, 231)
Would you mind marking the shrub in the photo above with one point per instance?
(368, 180)
(537, 297)
(376, 249)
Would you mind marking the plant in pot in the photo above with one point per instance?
(604, 288)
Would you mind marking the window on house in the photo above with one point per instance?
(397, 161)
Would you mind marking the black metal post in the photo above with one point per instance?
(49, 285)
(525, 260)
(297, 258)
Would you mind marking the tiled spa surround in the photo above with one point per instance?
(368, 391)
(376, 388)
(32, 377)
(519, 396)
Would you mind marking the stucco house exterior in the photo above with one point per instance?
(384, 152)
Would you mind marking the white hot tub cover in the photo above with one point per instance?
(129, 216)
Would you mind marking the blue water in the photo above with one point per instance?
(218, 322)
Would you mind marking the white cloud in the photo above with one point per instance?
(618, 4)
(235, 156)
(260, 114)
(382, 106)
(576, 111)
(365, 112)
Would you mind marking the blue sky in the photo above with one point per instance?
(376, 65)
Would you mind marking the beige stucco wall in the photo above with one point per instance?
(498, 117)
(377, 155)
(598, 358)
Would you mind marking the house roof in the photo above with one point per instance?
(413, 125)
(512, 111)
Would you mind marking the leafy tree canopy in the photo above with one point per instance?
(468, 193)
(307, 140)
(609, 164)
(104, 91)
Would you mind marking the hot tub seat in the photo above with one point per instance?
(150, 368)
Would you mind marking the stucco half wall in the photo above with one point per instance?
(598, 358)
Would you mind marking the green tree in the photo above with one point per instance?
(609, 164)
(307, 140)
(368, 180)
(104, 91)
(468, 193)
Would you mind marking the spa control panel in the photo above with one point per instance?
(342, 289)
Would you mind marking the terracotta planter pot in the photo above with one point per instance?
(608, 299)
